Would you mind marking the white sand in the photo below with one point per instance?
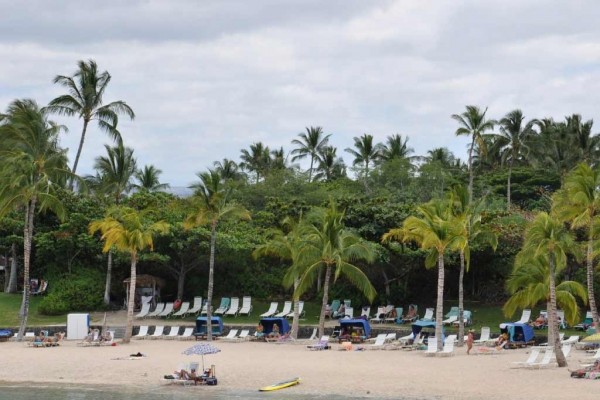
(250, 365)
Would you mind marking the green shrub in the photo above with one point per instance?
(80, 291)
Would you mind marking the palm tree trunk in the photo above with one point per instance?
(83, 132)
(590, 279)
(14, 269)
(108, 278)
(211, 272)
(27, 236)
(471, 170)
(296, 319)
(553, 320)
(439, 310)
(461, 306)
(131, 302)
(312, 160)
(181, 282)
(325, 300)
(508, 185)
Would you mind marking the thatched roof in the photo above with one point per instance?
(146, 281)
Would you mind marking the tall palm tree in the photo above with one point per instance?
(130, 231)
(33, 167)
(113, 179)
(330, 166)
(513, 141)
(587, 144)
(279, 160)
(473, 123)
(366, 153)
(545, 249)
(256, 160)
(396, 147)
(85, 99)
(436, 231)
(228, 169)
(329, 246)
(310, 145)
(578, 202)
(148, 179)
(210, 207)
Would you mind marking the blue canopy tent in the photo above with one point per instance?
(282, 323)
(217, 326)
(418, 326)
(518, 333)
(354, 325)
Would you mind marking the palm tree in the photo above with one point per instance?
(85, 91)
(330, 166)
(541, 260)
(256, 160)
(33, 167)
(310, 144)
(588, 145)
(148, 179)
(473, 123)
(228, 169)
(210, 207)
(395, 147)
(513, 142)
(436, 231)
(578, 202)
(475, 233)
(128, 230)
(279, 160)
(328, 245)
(113, 178)
(366, 153)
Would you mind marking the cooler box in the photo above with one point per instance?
(78, 326)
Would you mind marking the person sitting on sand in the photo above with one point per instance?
(501, 341)
(260, 331)
(540, 322)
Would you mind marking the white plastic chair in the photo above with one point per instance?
(429, 312)
(167, 311)
(183, 309)
(197, 307)
(158, 332)
(159, 308)
(143, 332)
(144, 311)
(533, 355)
(246, 306)
(448, 349)
(187, 334)
(431, 347)
(234, 307)
(300, 310)
(173, 333)
(485, 335)
(287, 307)
(271, 311)
(525, 317)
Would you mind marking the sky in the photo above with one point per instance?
(209, 78)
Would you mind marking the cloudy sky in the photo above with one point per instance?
(208, 78)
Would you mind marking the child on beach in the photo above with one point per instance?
(470, 340)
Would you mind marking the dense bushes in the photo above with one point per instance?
(80, 291)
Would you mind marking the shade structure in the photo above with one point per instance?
(595, 338)
(201, 349)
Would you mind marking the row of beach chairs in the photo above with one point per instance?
(160, 333)
(228, 306)
(286, 312)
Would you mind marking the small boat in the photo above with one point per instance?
(280, 385)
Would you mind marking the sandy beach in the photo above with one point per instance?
(250, 365)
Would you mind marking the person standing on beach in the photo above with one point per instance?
(470, 340)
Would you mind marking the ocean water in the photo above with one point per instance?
(73, 392)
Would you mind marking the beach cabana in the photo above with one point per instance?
(518, 333)
(353, 325)
(147, 290)
(282, 323)
(217, 326)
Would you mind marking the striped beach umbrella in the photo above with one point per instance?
(201, 349)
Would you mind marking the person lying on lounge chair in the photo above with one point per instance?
(539, 322)
(188, 376)
(410, 315)
(501, 341)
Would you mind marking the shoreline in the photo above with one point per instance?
(246, 366)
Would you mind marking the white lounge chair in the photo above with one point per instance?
(448, 349)
(365, 312)
(183, 309)
(167, 311)
(223, 307)
(429, 314)
(566, 349)
(287, 307)
(533, 355)
(379, 315)
(234, 307)
(313, 336)
(144, 311)
(484, 337)
(525, 317)
(231, 335)
(142, 334)
(300, 311)
(450, 320)
(159, 308)
(173, 333)
(271, 311)
(187, 334)
(204, 309)
(571, 340)
(158, 332)
(197, 307)
(431, 347)
(322, 344)
(379, 342)
(246, 306)
(545, 362)
(244, 335)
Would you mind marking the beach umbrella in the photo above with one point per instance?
(201, 349)
(595, 338)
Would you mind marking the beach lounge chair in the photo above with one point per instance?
(429, 314)
(231, 335)
(349, 312)
(586, 323)
(322, 344)
(450, 320)
(183, 309)
(234, 307)
(533, 355)
(413, 318)
(454, 311)
(111, 339)
(566, 349)
(186, 335)
(246, 306)
(562, 324)
(42, 289)
(287, 308)
(223, 307)
(158, 332)
(244, 335)
(525, 317)
(173, 333)
(144, 311)
(466, 318)
(313, 336)
(484, 337)
(595, 356)
(448, 349)
(347, 303)
(204, 310)
(398, 319)
(159, 308)
(365, 312)
(379, 342)
(335, 306)
(271, 311)
(571, 340)
(545, 362)
(379, 313)
(300, 311)
(167, 311)
(197, 307)
(389, 316)
(142, 333)
(561, 337)
(431, 347)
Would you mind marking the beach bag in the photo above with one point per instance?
(211, 381)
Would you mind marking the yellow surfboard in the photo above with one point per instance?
(280, 385)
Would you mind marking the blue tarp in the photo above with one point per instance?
(418, 326)
(268, 323)
(217, 326)
(5, 333)
(517, 332)
(356, 323)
